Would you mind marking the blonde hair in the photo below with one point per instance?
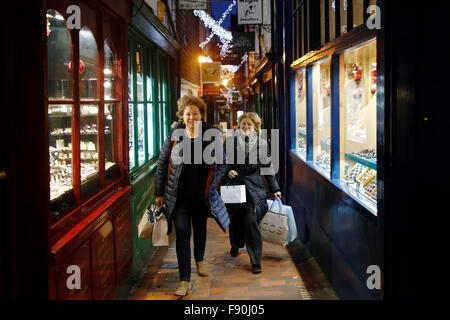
(254, 117)
(188, 101)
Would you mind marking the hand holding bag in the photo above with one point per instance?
(160, 237)
(277, 206)
(233, 194)
(145, 227)
(275, 227)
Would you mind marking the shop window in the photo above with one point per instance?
(332, 18)
(358, 13)
(59, 44)
(343, 16)
(358, 154)
(322, 115)
(82, 126)
(300, 112)
(60, 116)
(110, 71)
(88, 65)
(148, 106)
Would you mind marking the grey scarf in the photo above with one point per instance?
(246, 143)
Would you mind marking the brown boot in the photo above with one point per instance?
(201, 269)
(183, 289)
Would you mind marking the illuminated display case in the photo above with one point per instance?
(358, 119)
(300, 112)
(83, 121)
(322, 115)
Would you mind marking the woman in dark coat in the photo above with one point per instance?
(245, 217)
(187, 187)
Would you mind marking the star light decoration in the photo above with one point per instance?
(224, 35)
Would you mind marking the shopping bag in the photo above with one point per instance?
(145, 227)
(275, 228)
(160, 237)
(233, 194)
(277, 206)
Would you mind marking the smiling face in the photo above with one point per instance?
(247, 126)
(190, 115)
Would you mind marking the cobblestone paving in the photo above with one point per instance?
(288, 274)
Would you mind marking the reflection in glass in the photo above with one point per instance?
(150, 133)
(111, 155)
(141, 133)
(88, 65)
(130, 78)
(59, 46)
(358, 119)
(358, 12)
(300, 111)
(110, 71)
(131, 157)
(139, 77)
(89, 150)
(322, 114)
(332, 15)
(343, 16)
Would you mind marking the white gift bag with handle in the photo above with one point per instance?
(233, 194)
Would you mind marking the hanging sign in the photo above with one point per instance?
(192, 4)
(211, 90)
(210, 72)
(243, 41)
(250, 12)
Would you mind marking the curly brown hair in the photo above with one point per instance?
(187, 101)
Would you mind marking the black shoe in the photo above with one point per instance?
(234, 251)
(256, 268)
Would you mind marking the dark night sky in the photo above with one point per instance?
(218, 8)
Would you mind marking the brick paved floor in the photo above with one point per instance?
(288, 274)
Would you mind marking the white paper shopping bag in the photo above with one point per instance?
(233, 194)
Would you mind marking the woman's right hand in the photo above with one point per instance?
(232, 174)
(159, 201)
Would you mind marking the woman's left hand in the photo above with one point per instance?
(277, 194)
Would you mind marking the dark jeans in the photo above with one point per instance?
(183, 213)
(244, 229)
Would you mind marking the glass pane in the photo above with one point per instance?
(111, 152)
(322, 114)
(130, 77)
(60, 155)
(89, 150)
(149, 79)
(358, 119)
(343, 16)
(139, 76)
(141, 133)
(88, 65)
(59, 46)
(150, 133)
(131, 157)
(110, 71)
(322, 22)
(358, 13)
(332, 4)
(300, 111)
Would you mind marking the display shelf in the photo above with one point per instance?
(370, 163)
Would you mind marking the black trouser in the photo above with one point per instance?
(183, 213)
(244, 229)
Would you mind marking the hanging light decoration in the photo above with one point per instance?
(222, 19)
(224, 35)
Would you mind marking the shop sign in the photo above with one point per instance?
(211, 90)
(243, 41)
(250, 12)
(192, 4)
(210, 72)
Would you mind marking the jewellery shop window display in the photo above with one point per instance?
(358, 134)
(300, 112)
(78, 173)
(322, 115)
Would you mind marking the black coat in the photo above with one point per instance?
(167, 187)
(250, 175)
